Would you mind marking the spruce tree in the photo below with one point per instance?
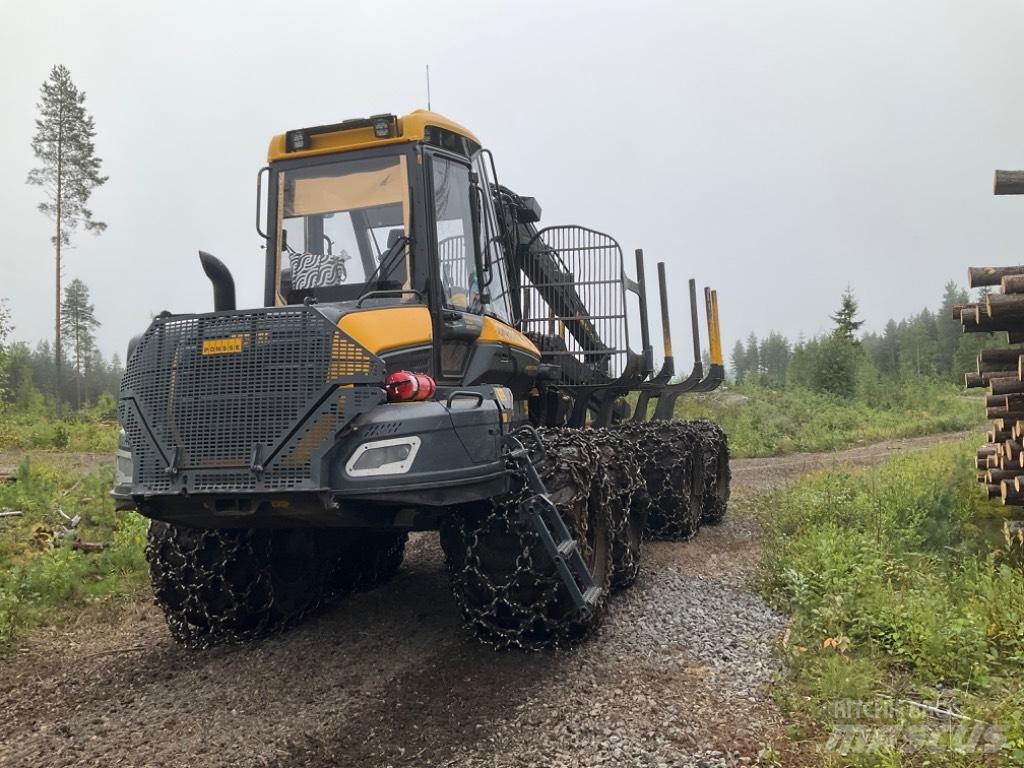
(78, 322)
(753, 356)
(739, 361)
(845, 319)
(68, 172)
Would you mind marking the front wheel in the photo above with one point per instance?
(507, 587)
(217, 585)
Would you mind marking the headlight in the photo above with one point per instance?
(125, 466)
(383, 457)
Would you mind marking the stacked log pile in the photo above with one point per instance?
(1000, 461)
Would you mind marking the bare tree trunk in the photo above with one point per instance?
(78, 367)
(56, 349)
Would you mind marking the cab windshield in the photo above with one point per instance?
(335, 223)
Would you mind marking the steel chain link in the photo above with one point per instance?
(227, 585)
(504, 582)
(627, 500)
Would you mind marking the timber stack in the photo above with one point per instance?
(1000, 461)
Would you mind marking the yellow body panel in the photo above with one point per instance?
(411, 127)
(497, 331)
(379, 330)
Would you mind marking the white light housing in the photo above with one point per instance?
(124, 468)
(383, 457)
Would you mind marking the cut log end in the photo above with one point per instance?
(1008, 183)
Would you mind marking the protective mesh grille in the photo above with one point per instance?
(574, 303)
(215, 387)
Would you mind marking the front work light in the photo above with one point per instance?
(296, 141)
(383, 457)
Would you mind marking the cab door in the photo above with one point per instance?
(456, 294)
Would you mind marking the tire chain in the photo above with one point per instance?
(506, 586)
(717, 473)
(627, 500)
(226, 585)
(672, 463)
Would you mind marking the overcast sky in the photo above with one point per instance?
(776, 150)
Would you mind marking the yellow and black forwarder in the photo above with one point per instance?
(426, 358)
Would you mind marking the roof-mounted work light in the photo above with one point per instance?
(296, 141)
(384, 126)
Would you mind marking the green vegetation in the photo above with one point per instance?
(768, 421)
(43, 578)
(928, 345)
(91, 430)
(834, 390)
(903, 596)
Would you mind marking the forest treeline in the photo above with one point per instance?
(28, 374)
(930, 344)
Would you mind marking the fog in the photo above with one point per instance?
(778, 151)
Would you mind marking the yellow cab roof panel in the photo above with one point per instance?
(411, 127)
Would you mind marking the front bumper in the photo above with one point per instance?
(263, 416)
(458, 459)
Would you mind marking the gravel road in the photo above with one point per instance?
(676, 676)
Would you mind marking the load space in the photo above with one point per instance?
(428, 358)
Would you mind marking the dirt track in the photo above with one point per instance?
(675, 677)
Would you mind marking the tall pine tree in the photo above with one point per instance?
(78, 322)
(68, 172)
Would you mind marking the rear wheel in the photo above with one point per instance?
(627, 500)
(717, 475)
(671, 462)
(506, 585)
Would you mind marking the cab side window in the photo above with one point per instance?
(494, 253)
(454, 225)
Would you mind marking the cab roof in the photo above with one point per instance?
(360, 134)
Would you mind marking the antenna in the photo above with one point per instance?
(428, 87)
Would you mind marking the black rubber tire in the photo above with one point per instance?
(717, 473)
(364, 560)
(226, 585)
(507, 587)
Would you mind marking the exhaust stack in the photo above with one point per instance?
(223, 283)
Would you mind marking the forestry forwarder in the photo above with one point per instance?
(426, 359)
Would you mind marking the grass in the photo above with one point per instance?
(903, 595)
(43, 579)
(772, 422)
(91, 430)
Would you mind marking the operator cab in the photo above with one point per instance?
(384, 211)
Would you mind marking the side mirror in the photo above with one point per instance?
(480, 258)
(259, 202)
